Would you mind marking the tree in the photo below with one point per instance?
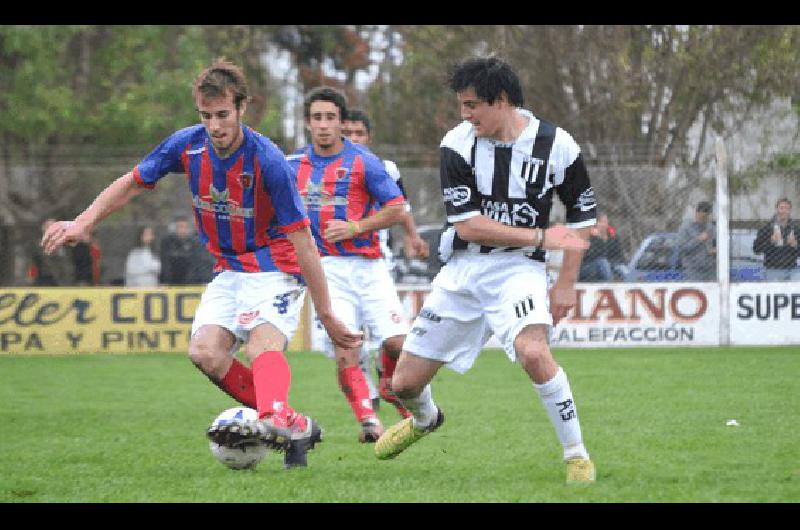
(628, 94)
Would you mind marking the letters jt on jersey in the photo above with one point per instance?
(244, 205)
(513, 183)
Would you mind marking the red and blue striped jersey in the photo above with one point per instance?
(345, 186)
(244, 205)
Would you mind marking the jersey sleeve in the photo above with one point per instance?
(280, 184)
(573, 186)
(394, 172)
(164, 159)
(459, 189)
(379, 184)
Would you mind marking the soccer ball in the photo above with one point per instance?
(241, 457)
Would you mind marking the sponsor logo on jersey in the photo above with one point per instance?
(512, 214)
(341, 172)
(316, 197)
(458, 196)
(586, 200)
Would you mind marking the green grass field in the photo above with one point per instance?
(131, 428)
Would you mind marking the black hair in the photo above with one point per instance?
(325, 93)
(489, 77)
(359, 115)
(704, 206)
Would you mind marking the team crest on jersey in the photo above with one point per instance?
(341, 172)
(246, 180)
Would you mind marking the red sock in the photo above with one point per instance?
(384, 385)
(388, 363)
(272, 377)
(238, 383)
(355, 389)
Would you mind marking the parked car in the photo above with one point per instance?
(657, 259)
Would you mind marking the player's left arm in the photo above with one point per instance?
(413, 244)
(576, 193)
(385, 191)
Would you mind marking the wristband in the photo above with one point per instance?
(353, 227)
(539, 237)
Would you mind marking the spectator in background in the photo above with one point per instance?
(86, 260)
(54, 270)
(697, 246)
(604, 255)
(777, 240)
(142, 266)
(181, 263)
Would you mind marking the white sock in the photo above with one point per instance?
(557, 400)
(423, 408)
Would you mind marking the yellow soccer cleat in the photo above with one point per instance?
(399, 436)
(580, 471)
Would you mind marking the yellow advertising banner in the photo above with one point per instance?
(62, 320)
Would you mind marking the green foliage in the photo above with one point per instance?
(130, 428)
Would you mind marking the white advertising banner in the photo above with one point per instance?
(765, 313)
(641, 314)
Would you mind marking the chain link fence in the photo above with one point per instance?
(646, 207)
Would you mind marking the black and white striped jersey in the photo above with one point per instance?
(513, 183)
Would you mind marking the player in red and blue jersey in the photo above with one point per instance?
(341, 184)
(357, 128)
(250, 217)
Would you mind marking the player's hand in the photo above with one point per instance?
(559, 237)
(337, 230)
(562, 299)
(791, 240)
(416, 247)
(341, 335)
(703, 236)
(63, 233)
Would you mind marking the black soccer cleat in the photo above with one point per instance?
(300, 443)
(239, 433)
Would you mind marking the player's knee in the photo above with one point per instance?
(393, 345)
(533, 353)
(405, 386)
(206, 358)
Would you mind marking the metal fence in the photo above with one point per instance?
(646, 206)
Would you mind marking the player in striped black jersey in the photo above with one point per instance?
(358, 129)
(499, 171)
(249, 215)
(349, 196)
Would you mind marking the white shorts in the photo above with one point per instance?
(363, 295)
(473, 297)
(240, 301)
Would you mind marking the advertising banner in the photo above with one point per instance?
(765, 313)
(641, 314)
(101, 320)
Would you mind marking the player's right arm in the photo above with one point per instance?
(164, 159)
(309, 261)
(111, 199)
